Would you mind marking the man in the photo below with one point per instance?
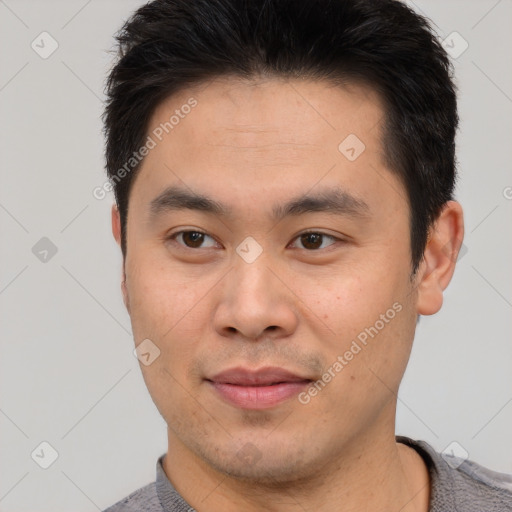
(284, 177)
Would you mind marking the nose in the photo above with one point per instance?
(255, 303)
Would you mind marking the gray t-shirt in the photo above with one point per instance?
(456, 485)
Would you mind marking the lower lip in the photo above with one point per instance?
(258, 397)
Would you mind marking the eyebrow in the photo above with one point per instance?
(329, 200)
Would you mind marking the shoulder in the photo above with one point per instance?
(486, 488)
(145, 498)
(461, 484)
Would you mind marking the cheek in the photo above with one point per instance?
(159, 295)
(171, 309)
(348, 303)
(370, 323)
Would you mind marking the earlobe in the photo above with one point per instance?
(440, 258)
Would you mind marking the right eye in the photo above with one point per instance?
(192, 239)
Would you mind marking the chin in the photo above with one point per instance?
(266, 466)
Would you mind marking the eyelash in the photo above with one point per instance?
(324, 235)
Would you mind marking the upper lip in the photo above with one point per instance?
(261, 377)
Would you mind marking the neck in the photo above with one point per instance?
(377, 474)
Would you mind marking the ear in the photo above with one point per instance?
(116, 231)
(116, 224)
(439, 259)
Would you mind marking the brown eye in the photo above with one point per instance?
(313, 241)
(193, 239)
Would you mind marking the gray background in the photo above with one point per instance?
(68, 374)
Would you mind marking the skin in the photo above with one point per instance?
(252, 145)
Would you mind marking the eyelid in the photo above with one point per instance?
(316, 232)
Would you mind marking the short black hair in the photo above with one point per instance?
(167, 45)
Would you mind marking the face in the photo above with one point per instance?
(296, 259)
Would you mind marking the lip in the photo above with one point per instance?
(257, 389)
(261, 377)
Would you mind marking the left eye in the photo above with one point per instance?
(314, 241)
(193, 239)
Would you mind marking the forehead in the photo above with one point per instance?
(248, 138)
(255, 113)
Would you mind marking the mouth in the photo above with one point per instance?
(257, 389)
